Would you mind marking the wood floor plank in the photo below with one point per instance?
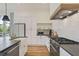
(37, 50)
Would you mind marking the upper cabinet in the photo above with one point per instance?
(64, 10)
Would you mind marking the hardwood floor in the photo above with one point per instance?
(37, 50)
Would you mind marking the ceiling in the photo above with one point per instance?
(69, 6)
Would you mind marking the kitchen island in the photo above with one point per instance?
(9, 47)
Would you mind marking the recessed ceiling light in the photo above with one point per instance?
(69, 11)
(61, 17)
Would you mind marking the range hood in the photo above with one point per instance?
(65, 11)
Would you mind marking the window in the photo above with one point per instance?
(4, 28)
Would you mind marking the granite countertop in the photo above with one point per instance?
(72, 49)
(7, 43)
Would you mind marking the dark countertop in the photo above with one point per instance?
(72, 49)
(7, 43)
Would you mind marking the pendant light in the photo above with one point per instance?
(5, 17)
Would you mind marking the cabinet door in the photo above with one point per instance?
(23, 47)
(14, 51)
(63, 52)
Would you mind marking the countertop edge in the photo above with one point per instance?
(10, 46)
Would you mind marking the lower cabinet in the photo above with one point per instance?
(63, 52)
(11, 51)
(23, 46)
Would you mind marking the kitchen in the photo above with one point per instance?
(31, 24)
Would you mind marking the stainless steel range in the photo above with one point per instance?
(54, 48)
(56, 42)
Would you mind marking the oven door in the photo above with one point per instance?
(54, 48)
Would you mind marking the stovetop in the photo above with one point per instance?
(62, 40)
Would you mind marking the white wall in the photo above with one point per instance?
(41, 11)
(38, 10)
(25, 12)
(69, 27)
(53, 7)
(2, 9)
(31, 14)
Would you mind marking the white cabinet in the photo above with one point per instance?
(39, 40)
(63, 52)
(23, 46)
